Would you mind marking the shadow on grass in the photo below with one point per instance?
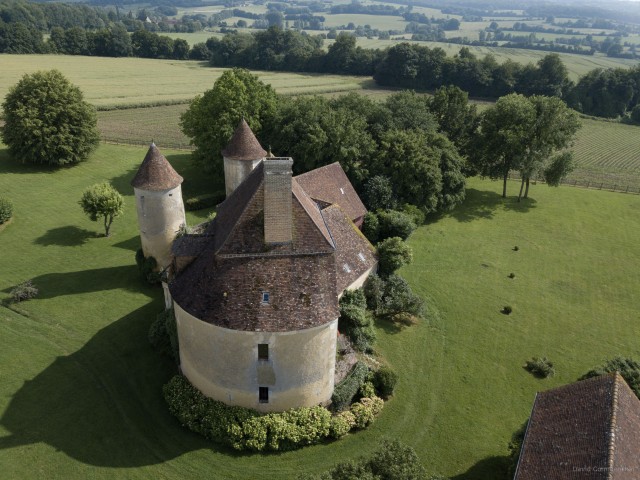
(69, 236)
(125, 277)
(102, 405)
(388, 326)
(132, 244)
(490, 468)
(482, 204)
(9, 164)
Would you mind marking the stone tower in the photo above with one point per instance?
(159, 204)
(241, 156)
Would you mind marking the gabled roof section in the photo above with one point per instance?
(243, 144)
(312, 210)
(330, 185)
(354, 253)
(155, 172)
(586, 430)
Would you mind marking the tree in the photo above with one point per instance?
(378, 193)
(102, 201)
(393, 253)
(48, 121)
(212, 117)
(627, 367)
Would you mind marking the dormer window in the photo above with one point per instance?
(361, 257)
(265, 297)
(346, 268)
(342, 191)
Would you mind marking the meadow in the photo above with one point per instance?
(81, 389)
(126, 82)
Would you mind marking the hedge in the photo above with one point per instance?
(344, 392)
(246, 429)
(163, 334)
(6, 210)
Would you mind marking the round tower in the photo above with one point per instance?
(241, 156)
(157, 187)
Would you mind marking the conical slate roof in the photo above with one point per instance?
(156, 173)
(243, 144)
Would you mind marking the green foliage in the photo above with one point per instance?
(344, 392)
(457, 119)
(102, 201)
(47, 120)
(6, 210)
(392, 299)
(540, 367)
(371, 227)
(245, 429)
(515, 446)
(207, 200)
(635, 114)
(355, 322)
(148, 268)
(394, 223)
(627, 367)
(236, 94)
(385, 379)
(24, 291)
(393, 253)
(415, 213)
(163, 334)
(378, 193)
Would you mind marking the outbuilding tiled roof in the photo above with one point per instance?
(243, 144)
(586, 430)
(156, 173)
(330, 185)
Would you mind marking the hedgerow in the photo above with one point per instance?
(246, 429)
(6, 210)
(344, 392)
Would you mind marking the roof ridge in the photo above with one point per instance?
(611, 447)
(523, 445)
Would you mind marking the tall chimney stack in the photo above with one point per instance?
(277, 200)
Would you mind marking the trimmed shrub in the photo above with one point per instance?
(344, 392)
(507, 309)
(367, 390)
(371, 227)
(6, 210)
(341, 424)
(393, 460)
(147, 266)
(395, 224)
(208, 200)
(366, 410)
(355, 322)
(627, 367)
(540, 367)
(246, 429)
(385, 379)
(24, 291)
(163, 334)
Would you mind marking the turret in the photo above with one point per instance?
(159, 204)
(241, 156)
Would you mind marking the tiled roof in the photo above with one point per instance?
(243, 144)
(354, 254)
(330, 185)
(156, 173)
(586, 430)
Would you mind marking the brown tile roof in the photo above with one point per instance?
(155, 172)
(330, 185)
(586, 430)
(243, 144)
(354, 254)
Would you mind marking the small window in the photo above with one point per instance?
(263, 394)
(171, 194)
(342, 191)
(263, 351)
(346, 268)
(265, 297)
(361, 257)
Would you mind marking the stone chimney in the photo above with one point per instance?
(277, 200)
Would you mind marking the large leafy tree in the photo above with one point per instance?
(48, 121)
(212, 117)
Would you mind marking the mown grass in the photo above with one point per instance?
(80, 396)
(118, 82)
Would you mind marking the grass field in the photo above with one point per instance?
(109, 82)
(80, 396)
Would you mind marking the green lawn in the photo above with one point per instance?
(80, 396)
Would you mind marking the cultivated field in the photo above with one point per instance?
(113, 82)
(80, 392)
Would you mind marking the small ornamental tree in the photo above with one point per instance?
(47, 120)
(102, 201)
(393, 253)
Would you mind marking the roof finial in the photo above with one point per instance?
(270, 154)
(153, 144)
